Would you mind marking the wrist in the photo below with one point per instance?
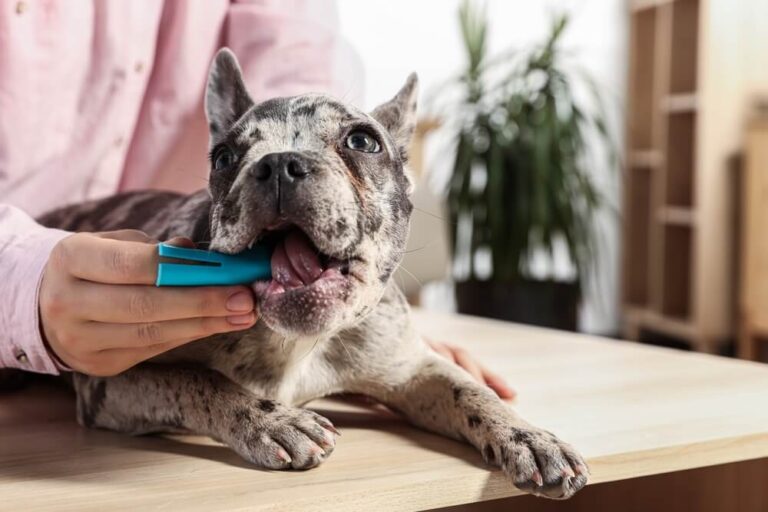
(22, 264)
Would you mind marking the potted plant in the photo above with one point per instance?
(521, 184)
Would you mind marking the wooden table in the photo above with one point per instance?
(632, 410)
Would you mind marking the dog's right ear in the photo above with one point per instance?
(226, 98)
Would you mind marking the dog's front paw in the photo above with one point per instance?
(537, 461)
(274, 436)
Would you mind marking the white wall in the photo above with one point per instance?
(395, 37)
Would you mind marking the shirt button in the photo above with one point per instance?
(21, 356)
(119, 141)
(138, 67)
(21, 7)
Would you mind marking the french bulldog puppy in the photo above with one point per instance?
(327, 184)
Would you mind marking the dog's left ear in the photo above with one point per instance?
(226, 98)
(398, 115)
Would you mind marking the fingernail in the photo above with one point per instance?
(240, 319)
(241, 301)
(538, 479)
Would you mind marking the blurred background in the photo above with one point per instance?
(595, 165)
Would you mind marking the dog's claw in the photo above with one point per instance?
(283, 456)
(329, 426)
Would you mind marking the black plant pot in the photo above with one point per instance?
(551, 304)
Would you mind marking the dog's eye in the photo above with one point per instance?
(362, 141)
(223, 160)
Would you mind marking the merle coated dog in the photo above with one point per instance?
(327, 184)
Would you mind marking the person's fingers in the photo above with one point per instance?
(445, 352)
(465, 360)
(135, 303)
(106, 260)
(479, 372)
(442, 349)
(181, 241)
(106, 336)
(127, 235)
(111, 362)
(498, 384)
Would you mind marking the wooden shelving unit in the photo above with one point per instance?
(753, 303)
(660, 207)
(688, 88)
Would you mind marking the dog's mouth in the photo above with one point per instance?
(313, 279)
(299, 266)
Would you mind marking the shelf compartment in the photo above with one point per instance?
(637, 233)
(680, 102)
(643, 73)
(677, 270)
(680, 159)
(646, 159)
(677, 216)
(685, 33)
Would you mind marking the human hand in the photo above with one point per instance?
(481, 374)
(101, 312)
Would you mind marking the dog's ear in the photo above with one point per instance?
(398, 115)
(226, 98)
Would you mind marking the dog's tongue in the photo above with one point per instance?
(295, 261)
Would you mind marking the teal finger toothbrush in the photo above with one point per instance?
(195, 267)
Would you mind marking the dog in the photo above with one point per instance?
(326, 184)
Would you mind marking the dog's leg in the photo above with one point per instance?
(159, 398)
(439, 396)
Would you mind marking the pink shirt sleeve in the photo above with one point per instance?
(24, 250)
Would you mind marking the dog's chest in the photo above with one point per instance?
(293, 372)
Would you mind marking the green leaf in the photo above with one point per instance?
(539, 188)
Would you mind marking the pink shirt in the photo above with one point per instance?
(98, 96)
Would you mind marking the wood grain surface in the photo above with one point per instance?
(632, 410)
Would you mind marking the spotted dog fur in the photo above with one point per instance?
(246, 389)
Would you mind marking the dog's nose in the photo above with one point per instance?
(289, 165)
